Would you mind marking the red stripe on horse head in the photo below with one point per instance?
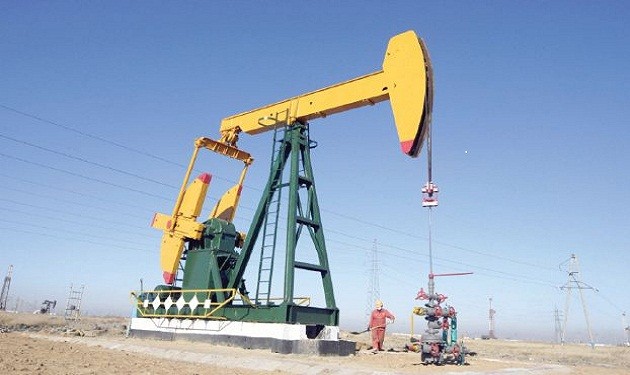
(168, 277)
(205, 178)
(406, 146)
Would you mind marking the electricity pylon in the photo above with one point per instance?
(557, 325)
(4, 295)
(491, 313)
(373, 292)
(575, 283)
(626, 328)
(73, 304)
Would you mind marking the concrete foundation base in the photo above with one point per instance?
(278, 337)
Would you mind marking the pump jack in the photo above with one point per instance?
(212, 289)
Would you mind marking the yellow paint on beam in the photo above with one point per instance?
(406, 81)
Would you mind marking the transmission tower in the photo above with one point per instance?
(4, 296)
(575, 283)
(373, 292)
(73, 304)
(557, 325)
(626, 328)
(491, 313)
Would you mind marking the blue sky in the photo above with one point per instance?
(100, 103)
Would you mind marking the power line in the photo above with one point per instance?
(85, 134)
(69, 156)
(164, 198)
(82, 176)
(69, 128)
(337, 232)
(103, 181)
(397, 255)
(548, 283)
(600, 295)
(66, 201)
(398, 231)
(508, 276)
(108, 141)
(490, 270)
(82, 216)
(399, 249)
(52, 187)
(83, 223)
(40, 234)
(83, 233)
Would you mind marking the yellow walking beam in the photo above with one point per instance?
(406, 81)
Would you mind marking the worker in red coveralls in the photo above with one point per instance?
(378, 322)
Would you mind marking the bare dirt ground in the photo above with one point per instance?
(43, 344)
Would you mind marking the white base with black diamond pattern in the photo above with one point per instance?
(232, 328)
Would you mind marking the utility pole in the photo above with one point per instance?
(4, 295)
(491, 313)
(575, 283)
(373, 292)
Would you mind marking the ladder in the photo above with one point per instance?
(180, 268)
(270, 226)
(302, 215)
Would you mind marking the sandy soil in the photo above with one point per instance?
(36, 344)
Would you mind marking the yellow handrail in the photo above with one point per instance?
(232, 294)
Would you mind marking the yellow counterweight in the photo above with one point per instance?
(182, 224)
